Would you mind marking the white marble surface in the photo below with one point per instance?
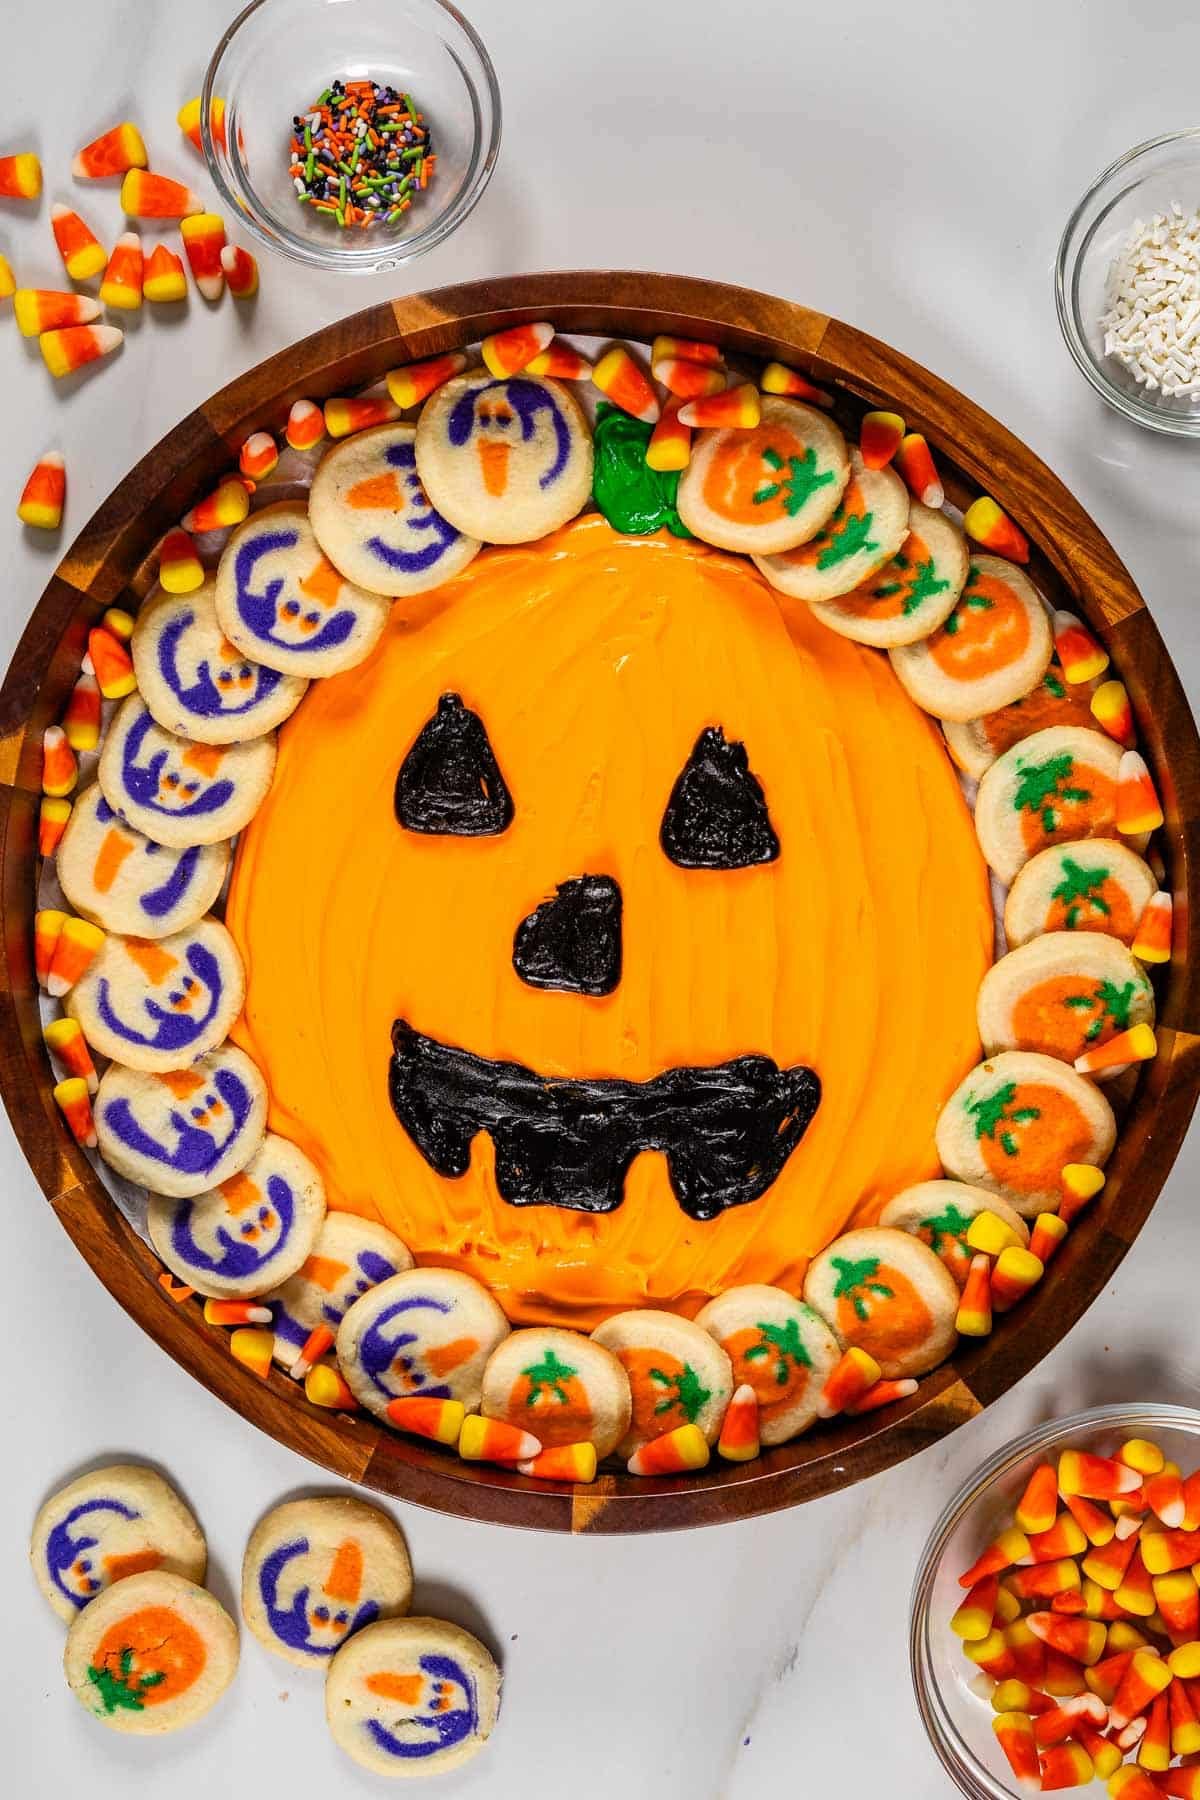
(909, 169)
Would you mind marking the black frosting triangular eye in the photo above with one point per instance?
(717, 815)
(450, 783)
(573, 942)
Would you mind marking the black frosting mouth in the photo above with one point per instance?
(726, 1130)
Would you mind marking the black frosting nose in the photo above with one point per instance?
(573, 942)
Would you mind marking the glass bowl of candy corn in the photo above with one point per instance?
(351, 135)
(1055, 1628)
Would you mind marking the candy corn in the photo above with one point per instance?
(1018, 1696)
(1125, 1636)
(1106, 1756)
(241, 271)
(508, 352)
(306, 425)
(52, 822)
(564, 1462)
(1014, 1734)
(317, 1344)
(44, 309)
(119, 622)
(975, 1304)
(77, 345)
(148, 196)
(20, 176)
(1080, 1183)
(439, 1420)
(112, 153)
(670, 445)
(1059, 1723)
(178, 1291)
(975, 1617)
(1014, 1272)
(1099, 1526)
(738, 407)
(914, 461)
(65, 1041)
(1152, 939)
(1104, 1678)
(344, 416)
(884, 1393)
(1112, 712)
(1138, 1044)
(1154, 1751)
(688, 380)
(1095, 1477)
(1131, 1783)
(1177, 1598)
(989, 525)
(691, 349)
(1044, 1580)
(776, 378)
(990, 1234)
(164, 281)
(1106, 1563)
(622, 382)
(1065, 1766)
(414, 383)
(559, 360)
(879, 438)
(1146, 1677)
(236, 1312)
(60, 771)
(1180, 1783)
(1046, 1238)
(188, 120)
(493, 1440)
(1166, 1498)
(71, 1098)
(1037, 1508)
(81, 721)
(1184, 1661)
(203, 241)
(47, 927)
(1012, 1546)
(227, 505)
(253, 1348)
(673, 1453)
(258, 456)
(1143, 1455)
(852, 1376)
(179, 568)
(1138, 806)
(1082, 658)
(82, 252)
(78, 943)
(1164, 1551)
(8, 281)
(1062, 1538)
(1026, 1655)
(125, 274)
(1185, 1722)
(1081, 1639)
(325, 1386)
(738, 1441)
(42, 497)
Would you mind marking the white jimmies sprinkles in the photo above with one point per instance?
(1152, 321)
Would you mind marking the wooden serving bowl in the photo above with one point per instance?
(1072, 563)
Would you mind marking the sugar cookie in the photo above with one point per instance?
(412, 1696)
(372, 519)
(349, 1256)
(504, 460)
(427, 1331)
(106, 1526)
(151, 1654)
(316, 1571)
(910, 596)
(940, 1214)
(1098, 884)
(886, 1292)
(994, 647)
(1056, 787)
(780, 1347)
(562, 1387)
(1016, 1121)
(282, 602)
(195, 682)
(160, 1003)
(243, 1238)
(766, 489)
(1062, 995)
(678, 1374)
(186, 1130)
(976, 743)
(177, 792)
(867, 529)
(119, 878)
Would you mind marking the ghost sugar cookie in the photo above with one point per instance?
(373, 520)
(412, 1696)
(564, 1388)
(976, 743)
(1016, 1121)
(186, 1130)
(243, 1238)
(1063, 994)
(940, 1214)
(195, 682)
(994, 647)
(106, 1526)
(317, 1571)
(867, 529)
(158, 1003)
(1056, 787)
(119, 878)
(426, 1332)
(887, 1293)
(282, 602)
(778, 1346)
(349, 1256)
(151, 1654)
(178, 792)
(506, 460)
(1098, 884)
(769, 488)
(912, 594)
(678, 1374)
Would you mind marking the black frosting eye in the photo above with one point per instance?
(573, 942)
(717, 815)
(450, 783)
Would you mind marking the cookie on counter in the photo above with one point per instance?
(106, 1526)
(318, 1570)
(151, 1654)
(374, 521)
(412, 1696)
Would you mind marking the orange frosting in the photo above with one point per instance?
(594, 661)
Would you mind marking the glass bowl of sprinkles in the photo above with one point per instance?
(355, 134)
(1127, 284)
(958, 1700)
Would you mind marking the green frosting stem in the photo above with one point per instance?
(633, 497)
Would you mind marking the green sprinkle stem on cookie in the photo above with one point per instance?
(989, 1112)
(856, 1280)
(1039, 784)
(685, 1390)
(948, 1226)
(115, 1688)
(548, 1377)
(852, 537)
(1078, 885)
(800, 483)
(786, 1343)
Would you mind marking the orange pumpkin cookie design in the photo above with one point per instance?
(769, 488)
(779, 1347)
(940, 1214)
(1095, 886)
(150, 1654)
(886, 1292)
(976, 743)
(1058, 786)
(910, 596)
(867, 529)
(991, 650)
(1063, 994)
(678, 1374)
(562, 1387)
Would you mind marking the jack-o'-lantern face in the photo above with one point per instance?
(614, 932)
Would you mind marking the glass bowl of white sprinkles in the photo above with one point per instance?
(1127, 284)
(309, 117)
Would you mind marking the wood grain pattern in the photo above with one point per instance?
(1072, 562)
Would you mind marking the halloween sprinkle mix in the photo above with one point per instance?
(361, 153)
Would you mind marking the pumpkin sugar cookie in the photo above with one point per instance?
(177, 792)
(1056, 787)
(778, 1346)
(1015, 1122)
(349, 1256)
(940, 1214)
(976, 743)
(119, 878)
(994, 647)
(867, 529)
(769, 488)
(1063, 994)
(426, 1332)
(160, 1003)
(184, 1130)
(412, 1696)
(562, 1387)
(886, 1292)
(317, 1571)
(912, 594)
(1098, 885)
(151, 1654)
(678, 1374)
(106, 1526)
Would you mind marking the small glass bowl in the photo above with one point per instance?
(1145, 181)
(958, 1721)
(275, 59)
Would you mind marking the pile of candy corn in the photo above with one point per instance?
(361, 153)
(1085, 1615)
